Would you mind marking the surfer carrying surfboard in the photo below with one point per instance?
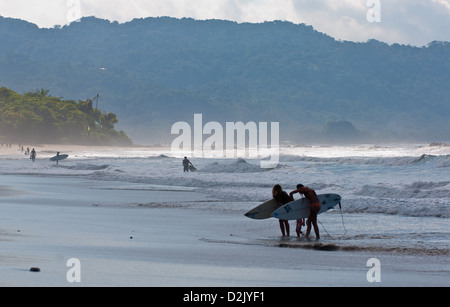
(186, 163)
(314, 208)
(282, 197)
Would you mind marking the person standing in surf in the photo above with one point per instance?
(186, 163)
(314, 208)
(282, 197)
(33, 155)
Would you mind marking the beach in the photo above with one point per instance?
(140, 233)
(184, 246)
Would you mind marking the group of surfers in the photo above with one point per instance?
(284, 198)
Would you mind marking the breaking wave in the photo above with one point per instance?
(441, 161)
(239, 166)
(406, 207)
(161, 156)
(415, 190)
(85, 167)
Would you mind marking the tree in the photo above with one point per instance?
(38, 118)
(43, 92)
(38, 93)
(107, 121)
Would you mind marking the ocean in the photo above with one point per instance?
(395, 197)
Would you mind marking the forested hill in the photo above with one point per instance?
(154, 72)
(36, 117)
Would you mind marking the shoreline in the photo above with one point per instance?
(51, 220)
(15, 149)
(437, 148)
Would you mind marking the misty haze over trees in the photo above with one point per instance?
(154, 72)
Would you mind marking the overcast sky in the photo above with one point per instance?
(414, 22)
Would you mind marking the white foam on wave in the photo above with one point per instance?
(239, 166)
(413, 176)
(414, 190)
(441, 161)
(85, 167)
(438, 208)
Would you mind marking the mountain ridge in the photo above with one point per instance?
(154, 72)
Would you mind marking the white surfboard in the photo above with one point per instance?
(299, 209)
(264, 211)
(61, 157)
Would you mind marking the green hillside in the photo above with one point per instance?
(39, 118)
(154, 72)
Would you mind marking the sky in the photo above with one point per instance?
(410, 22)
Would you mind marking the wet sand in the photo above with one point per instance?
(135, 237)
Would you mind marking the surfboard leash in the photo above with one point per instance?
(342, 218)
(343, 224)
(324, 228)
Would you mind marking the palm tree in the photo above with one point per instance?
(38, 93)
(43, 92)
(107, 121)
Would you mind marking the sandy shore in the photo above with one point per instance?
(151, 237)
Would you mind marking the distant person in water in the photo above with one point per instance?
(33, 155)
(57, 158)
(314, 208)
(283, 198)
(186, 164)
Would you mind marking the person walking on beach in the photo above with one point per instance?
(314, 208)
(283, 198)
(186, 163)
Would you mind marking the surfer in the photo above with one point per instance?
(33, 155)
(186, 163)
(314, 208)
(283, 198)
(57, 158)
